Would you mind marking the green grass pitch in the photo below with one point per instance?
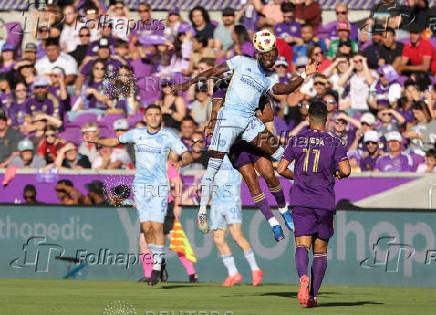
(82, 297)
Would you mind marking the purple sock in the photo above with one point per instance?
(279, 196)
(319, 266)
(261, 202)
(301, 260)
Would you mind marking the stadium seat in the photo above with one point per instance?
(71, 134)
(109, 119)
(82, 119)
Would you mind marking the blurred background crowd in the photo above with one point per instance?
(90, 68)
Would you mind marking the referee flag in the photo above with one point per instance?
(179, 242)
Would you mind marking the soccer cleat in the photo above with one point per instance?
(232, 280)
(164, 272)
(155, 277)
(278, 233)
(257, 276)
(312, 302)
(193, 278)
(144, 279)
(303, 291)
(203, 224)
(288, 220)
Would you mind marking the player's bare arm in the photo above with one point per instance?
(283, 170)
(217, 103)
(267, 114)
(210, 73)
(344, 169)
(282, 88)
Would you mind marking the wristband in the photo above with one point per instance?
(303, 75)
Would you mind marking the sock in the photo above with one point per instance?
(273, 221)
(212, 168)
(229, 262)
(249, 256)
(147, 264)
(189, 266)
(261, 202)
(158, 254)
(279, 196)
(278, 154)
(319, 266)
(301, 260)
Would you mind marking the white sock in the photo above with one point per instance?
(212, 168)
(158, 254)
(229, 262)
(273, 221)
(283, 210)
(249, 256)
(278, 154)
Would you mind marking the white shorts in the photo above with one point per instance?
(223, 215)
(230, 126)
(150, 207)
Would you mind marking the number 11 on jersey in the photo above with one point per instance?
(316, 153)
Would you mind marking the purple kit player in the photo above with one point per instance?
(319, 158)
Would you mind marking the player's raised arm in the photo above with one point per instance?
(209, 73)
(282, 88)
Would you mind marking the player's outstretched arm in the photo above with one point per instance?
(344, 169)
(186, 159)
(209, 73)
(283, 170)
(282, 88)
(108, 142)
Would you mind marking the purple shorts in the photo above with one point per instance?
(242, 153)
(309, 221)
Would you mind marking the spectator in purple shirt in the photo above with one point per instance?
(368, 159)
(395, 160)
(42, 100)
(289, 29)
(105, 31)
(147, 26)
(346, 135)
(16, 107)
(8, 58)
(341, 15)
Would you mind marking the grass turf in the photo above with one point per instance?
(82, 297)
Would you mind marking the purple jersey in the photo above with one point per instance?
(367, 163)
(46, 106)
(400, 163)
(284, 30)
(316, 155)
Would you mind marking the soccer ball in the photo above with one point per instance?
(264, 41)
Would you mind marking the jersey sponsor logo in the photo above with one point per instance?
(148, 149)
(253, 83)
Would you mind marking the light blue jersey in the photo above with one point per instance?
(151, 151)
(226, 197)
(248, 83)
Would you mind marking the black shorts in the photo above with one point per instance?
(169, 219)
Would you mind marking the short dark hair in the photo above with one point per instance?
(203, 11)
(391, 30)
(287, 7)
(307, 25)
(202, 39)
(52, 41)
(431, 152)
(332, 93)
(318, 110)
(188, 118)
(66, 182)
(121, 43)
(30, 187)
(151, 106)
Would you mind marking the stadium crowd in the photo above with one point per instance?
(91, 71)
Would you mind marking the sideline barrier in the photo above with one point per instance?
(370, 246)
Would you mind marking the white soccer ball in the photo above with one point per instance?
(264, 41)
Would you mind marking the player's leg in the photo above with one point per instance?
(250, 177)
(305, 221)
(158, 209)
(268, 143)
(239, 238)
(265, 168)
(145, 255)
(319, 263)
(218, 226)
(227, 129)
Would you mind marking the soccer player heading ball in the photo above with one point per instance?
(251, 79)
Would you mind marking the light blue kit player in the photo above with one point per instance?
(251, 78)
(226, 213)
(151, 185)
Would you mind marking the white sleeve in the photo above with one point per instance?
(394, 92)
(128, 137)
